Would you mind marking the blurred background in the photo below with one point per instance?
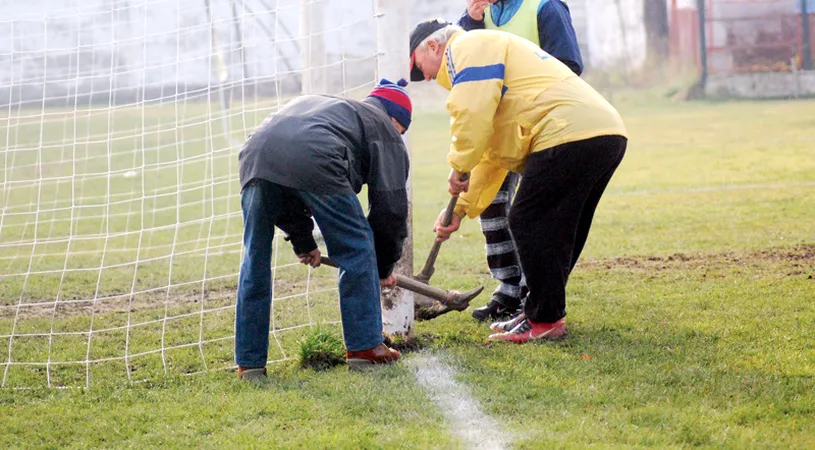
(67, 51)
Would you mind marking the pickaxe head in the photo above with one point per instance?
(456, 301)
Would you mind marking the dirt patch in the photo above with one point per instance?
(798, 260)
(120, 304)
(408, 345)
(802, 257)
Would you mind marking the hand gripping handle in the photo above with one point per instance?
(428, 269)
(409, 284)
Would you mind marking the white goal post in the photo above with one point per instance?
(120, 222)
(392, 40)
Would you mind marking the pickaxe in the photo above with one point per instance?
(427, 309)
(441, 296)
(428, 269)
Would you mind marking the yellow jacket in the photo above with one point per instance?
(508, 98)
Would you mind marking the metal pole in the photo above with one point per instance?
(314, 58)
(305, 45)
(392, 30)
(222, 72)
(806, 44)
(700, 8)
(239, 37)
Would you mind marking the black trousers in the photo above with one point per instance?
(552, 214)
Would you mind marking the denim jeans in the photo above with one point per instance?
(350, 243)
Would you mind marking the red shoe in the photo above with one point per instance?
(251, 373)
(365, 359)
(531, 331)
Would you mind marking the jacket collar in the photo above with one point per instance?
(504, 10)
(447, 70)
(369, 100)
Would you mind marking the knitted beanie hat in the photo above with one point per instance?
(395, 100)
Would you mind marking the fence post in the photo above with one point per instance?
(700, 10)
(806, 40)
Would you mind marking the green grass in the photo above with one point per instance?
(690, 314)
(321, 349)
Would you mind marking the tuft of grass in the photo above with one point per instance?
(321, 349)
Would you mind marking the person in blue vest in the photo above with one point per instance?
(548, 24)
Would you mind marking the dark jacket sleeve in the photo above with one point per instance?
(468, 23)
(388, 202)
(295, 221)
(557, 35)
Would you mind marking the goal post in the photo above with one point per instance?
(392, 39)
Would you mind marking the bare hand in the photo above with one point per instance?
(311, 258)
(456, 186)
(475, 8)
(389, 282)
(443, 233)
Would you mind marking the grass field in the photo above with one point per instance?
(690, 314)
(121, 242)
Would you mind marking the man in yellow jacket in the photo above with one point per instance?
(547, 24)
(513, 107)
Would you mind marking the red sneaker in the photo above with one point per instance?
(381, 354)
(530, 331)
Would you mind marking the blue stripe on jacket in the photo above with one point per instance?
(479, 73)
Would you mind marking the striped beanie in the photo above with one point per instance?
(395, 100)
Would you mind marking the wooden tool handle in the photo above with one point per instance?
(428, 269)
(406, 283)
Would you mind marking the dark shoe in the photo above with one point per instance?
(533, 331)
(252, 373)
(508, 325)
(498, 308)
(365, 359)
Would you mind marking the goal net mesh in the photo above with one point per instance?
(120, 223)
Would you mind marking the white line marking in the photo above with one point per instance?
(620, 192)
(692, 190)
(464, 414)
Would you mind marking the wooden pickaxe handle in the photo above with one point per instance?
(428, 269)
(409, 284)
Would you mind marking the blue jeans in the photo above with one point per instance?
(350, 243)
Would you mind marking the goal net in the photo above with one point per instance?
(120, 222)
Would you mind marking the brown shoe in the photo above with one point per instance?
(252, 373)
(365, 359)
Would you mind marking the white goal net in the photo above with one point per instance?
(120, 223)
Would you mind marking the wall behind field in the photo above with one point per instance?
(615, 34)
(610, 33)
(117, 51)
